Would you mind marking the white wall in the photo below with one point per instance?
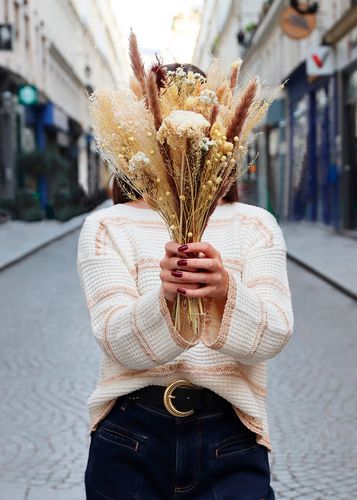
(214, 16)
(221, 21)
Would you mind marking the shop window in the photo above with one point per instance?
(27, 31)
(17, 20)
(352, 85)
(299, 141)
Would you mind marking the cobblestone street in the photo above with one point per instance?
(50, 363)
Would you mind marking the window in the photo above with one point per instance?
(17, 20)
(6, 10)
(27, 31)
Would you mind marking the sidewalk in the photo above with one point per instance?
(321, 250)
(18, 239)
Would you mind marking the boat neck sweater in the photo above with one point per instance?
(119, 251)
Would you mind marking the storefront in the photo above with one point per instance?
(248, 183)
(343, 38)
(300, 192)
(13, 132)
(325, 180)
(314, 180)
(350, 149)
(263, 183)
(51, 127)
(275, 133)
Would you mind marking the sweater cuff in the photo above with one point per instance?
(229, 308)
(177, 339)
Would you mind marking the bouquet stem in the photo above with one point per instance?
(188, 311)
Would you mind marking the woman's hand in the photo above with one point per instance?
(204, 276)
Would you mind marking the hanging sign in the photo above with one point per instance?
(296, 25)
(320, 61)
(27, 94)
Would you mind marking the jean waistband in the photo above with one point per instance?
(184, 398)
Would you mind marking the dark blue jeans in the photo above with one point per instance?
(142, 452)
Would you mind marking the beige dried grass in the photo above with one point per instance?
(182, 165)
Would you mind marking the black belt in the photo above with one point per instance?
(179, 399)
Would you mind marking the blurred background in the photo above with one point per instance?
(53, 54)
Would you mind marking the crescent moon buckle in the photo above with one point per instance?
(168, 396)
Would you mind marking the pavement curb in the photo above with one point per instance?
(74, 225)
(323, 276)
(38, 247)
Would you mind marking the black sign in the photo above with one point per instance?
(5, 36)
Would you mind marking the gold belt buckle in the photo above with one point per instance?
(168, 396)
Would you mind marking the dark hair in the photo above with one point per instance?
(117, 194)
(186, 66)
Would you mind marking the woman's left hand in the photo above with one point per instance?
(207, 269)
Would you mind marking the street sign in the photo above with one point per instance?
(320, 61)
(28, 94)
(5, 36)
(296, 25)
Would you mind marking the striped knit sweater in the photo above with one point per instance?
(119, 251)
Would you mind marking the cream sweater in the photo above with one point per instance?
(119, 250)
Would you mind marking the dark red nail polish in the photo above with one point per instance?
(182, 248)
(177, 274)
(181, 290)
(182, 262)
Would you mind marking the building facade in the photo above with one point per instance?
(306, 168)
(220, 24)
(54, 53)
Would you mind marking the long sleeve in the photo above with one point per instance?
(132, 329)
(257, 321)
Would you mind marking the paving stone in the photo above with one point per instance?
(43, 425)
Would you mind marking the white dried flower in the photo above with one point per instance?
(138, 160)
(190, 81)
(180, 72)
(199, 77)
(208, 97)
(180, 122)
(206, 143)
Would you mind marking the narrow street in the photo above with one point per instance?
(50, 363)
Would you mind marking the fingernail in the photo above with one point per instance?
(181, 290)
(182, 248)
(177, 274)
(182, 262)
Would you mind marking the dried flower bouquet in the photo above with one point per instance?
(179, 140)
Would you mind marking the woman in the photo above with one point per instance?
(172, 416)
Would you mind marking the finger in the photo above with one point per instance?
(182, 277)
(172, 264)
(172, 287)
(205, 291)
(171, 249)
(201, 246)
(192, 265)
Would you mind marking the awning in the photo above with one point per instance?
(343, 26)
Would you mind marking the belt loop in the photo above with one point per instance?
(124, 403)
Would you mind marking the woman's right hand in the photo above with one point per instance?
(169, 265)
